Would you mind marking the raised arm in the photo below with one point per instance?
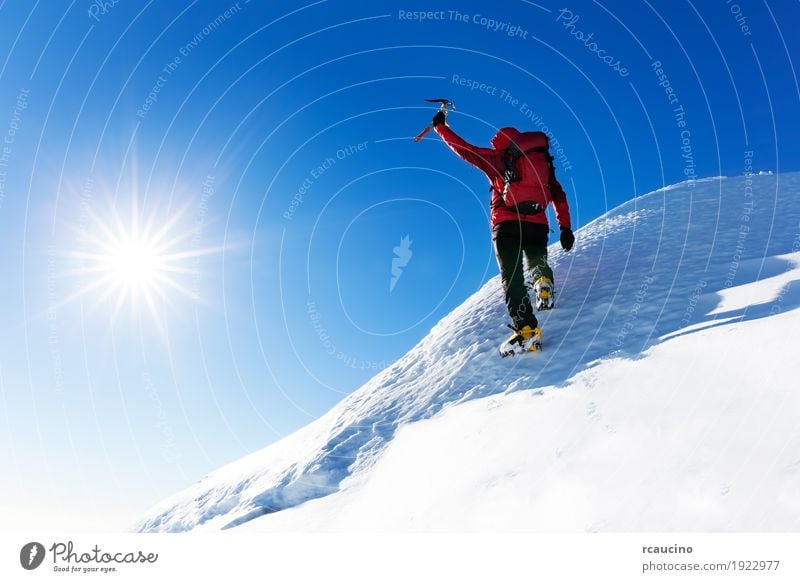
(481, 158)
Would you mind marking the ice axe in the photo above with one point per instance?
(445, 105)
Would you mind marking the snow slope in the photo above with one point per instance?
(665, 398)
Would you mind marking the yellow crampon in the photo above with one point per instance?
(543, 289)
(525, 339)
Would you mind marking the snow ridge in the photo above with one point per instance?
(649, 270)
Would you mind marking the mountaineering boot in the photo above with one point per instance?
(543, 289)
(524, 339)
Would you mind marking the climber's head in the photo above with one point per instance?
(503, 136)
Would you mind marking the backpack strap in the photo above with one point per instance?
(511, 154)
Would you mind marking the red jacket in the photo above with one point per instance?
(490, 162)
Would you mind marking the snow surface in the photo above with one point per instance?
(665, 400)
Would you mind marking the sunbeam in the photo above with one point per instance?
(126, 264)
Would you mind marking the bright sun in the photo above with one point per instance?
(135, 264)
(129, 263)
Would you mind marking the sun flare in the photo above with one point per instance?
(133, 263)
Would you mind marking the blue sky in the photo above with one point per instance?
(274, 141)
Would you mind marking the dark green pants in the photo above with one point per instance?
(514, 240)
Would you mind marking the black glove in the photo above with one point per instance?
(567, 238)
(438, 119)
